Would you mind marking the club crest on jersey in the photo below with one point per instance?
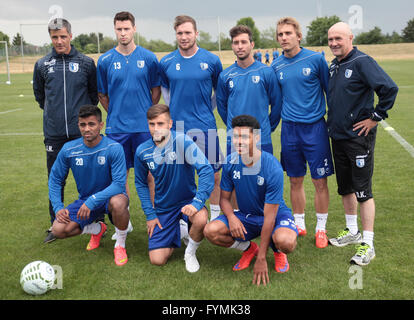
(73, 66)
(203, 66)
(360, 163)
(260, 180)
(255, 79)
(348, 73)
(177, 66)
(306, 71)
(101, 160)
(320, 171)
(141, 64)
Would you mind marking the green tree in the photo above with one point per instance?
(408, 31)
(318, 30)
(5, 37)
(267, 38)
(373, 36)
(17, 40)
(205, 42)
(248, 21)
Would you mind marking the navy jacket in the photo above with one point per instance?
(352, 83)
(61, 85)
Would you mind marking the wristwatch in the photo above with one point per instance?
(374, 116)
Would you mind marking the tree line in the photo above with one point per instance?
(316, 36)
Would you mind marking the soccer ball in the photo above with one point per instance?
(37, 277)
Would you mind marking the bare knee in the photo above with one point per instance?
(159, 257)
(321, 185)
(285, 240)
(212, 231)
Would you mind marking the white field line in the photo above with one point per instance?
(396, 136)
(5, 134)
(8, 111)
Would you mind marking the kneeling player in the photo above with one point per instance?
(98, 166)
(172, 160)
(257, 178)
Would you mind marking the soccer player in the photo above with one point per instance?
(303, 77)
(128, 84)
(352, 126)
(267, 57)
(275, 54)
(257, 178)
(98, 167)
(248, 87)
(172, 159)
(63, 81)
(189, 75)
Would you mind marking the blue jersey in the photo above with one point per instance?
(99, 172)
(262, 183)
(173, 168)
(128, 81)
(250, 91)
(303, 79)
(191, 82)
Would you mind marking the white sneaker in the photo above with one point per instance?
(184, 231)
(130, 228)
(191, 263)
(365, 253)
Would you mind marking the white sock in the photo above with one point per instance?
(368, 237)
(321, 219)
(352, 223)
(214, 211)
(93, 228)
(240, 245)
(192, 246)
(300, 220)
(120, 237)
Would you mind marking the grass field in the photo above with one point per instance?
(314, 273)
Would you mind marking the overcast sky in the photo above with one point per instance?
(155, 18)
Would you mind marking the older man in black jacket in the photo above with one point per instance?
(352, 125)
(63, 81)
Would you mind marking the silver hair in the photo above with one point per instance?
(58, 24)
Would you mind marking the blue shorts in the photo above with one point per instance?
(94, 215)
(130, 143)
(209, 144)
(268, 147)
(169, 236)
(253, 223)
(303, 142)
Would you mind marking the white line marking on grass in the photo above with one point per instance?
(21, 134)
(13, 110)
(397, 137)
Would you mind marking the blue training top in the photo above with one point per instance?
(250, 91)
(262, 183)
(99, 172)
(191, 82)
(303, 79)
(128, 81)
(173, 168)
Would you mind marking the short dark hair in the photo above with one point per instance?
(239, 29)
(88, 110)
(245, 120)
(157, 110)
(179, 20)
(58, 24)
(124, 16)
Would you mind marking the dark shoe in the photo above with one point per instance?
(50, 236)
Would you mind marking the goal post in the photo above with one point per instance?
(6, 53)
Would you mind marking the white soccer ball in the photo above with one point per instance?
(37, 277)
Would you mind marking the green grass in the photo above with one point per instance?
(314, 273)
